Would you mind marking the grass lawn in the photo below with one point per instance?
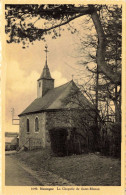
(82, 170)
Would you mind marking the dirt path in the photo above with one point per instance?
(15, 175)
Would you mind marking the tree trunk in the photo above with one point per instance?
(117, 111)
(101, 48)
(97, 77)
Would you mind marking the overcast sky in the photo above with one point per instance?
(24, 67)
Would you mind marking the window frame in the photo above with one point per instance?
(36, 118)
(28, 125)
(39, 84)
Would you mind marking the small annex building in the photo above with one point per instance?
(52, 119)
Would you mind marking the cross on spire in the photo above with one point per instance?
(46, 51)
(72, 76)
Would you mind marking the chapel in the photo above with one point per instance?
(56, 118)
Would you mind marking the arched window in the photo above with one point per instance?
(36, 124)
(28, 129)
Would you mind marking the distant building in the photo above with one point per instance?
(11, 140)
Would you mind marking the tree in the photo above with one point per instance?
(22, 20)
(113, 30)
(110, 17)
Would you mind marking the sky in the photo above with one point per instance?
(24, 67)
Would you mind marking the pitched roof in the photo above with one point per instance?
(11, 134)
(9, 139)
(56, 99)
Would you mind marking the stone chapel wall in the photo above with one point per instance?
(34, 137)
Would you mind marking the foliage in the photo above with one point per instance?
(23, 20)
(58, 138)
(111, 140)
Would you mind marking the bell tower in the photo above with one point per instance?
(45, 82)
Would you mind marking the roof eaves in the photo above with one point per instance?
(40, 111)
(50, 110)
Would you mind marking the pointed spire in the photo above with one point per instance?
(45, 73)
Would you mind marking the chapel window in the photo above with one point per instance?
(36, 124)
(39, 84)
(28, 129)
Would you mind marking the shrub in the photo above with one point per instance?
(111, 141)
